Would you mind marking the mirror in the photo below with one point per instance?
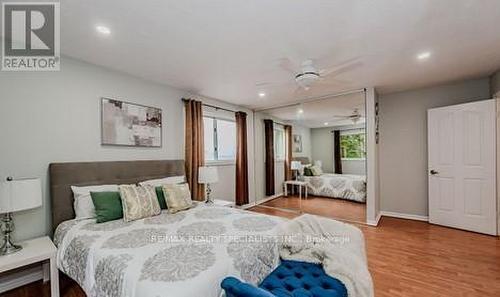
(311, 158)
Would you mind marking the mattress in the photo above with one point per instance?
(343, 186)
(184, 254)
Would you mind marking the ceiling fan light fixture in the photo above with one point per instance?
(306, 79)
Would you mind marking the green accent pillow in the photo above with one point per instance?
(108, 206)
(308, 171)
(161, 197)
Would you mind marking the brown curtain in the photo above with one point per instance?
(241, 159)
(194, 147)
(288, 152)
(269, 146)
(336, 152)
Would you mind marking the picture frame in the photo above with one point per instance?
(130, 124)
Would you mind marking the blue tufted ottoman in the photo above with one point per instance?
(289, 279)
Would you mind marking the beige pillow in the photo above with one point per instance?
(139, 202)
(178, 197)
(316, 170)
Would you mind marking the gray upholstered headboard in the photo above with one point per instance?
(302, 160)
(65, 175)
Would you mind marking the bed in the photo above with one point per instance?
(182, 254)
(342, 186)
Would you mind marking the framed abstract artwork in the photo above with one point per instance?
(297, 143)
(129, 124)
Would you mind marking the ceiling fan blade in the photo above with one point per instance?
(342, 67)
(332, 82)
(287, 65)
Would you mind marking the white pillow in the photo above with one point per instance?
(83, 205)
(164, 181)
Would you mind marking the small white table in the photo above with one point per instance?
(35, 251)
(300, 184)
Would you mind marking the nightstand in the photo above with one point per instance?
(35, 251)
(300, 184)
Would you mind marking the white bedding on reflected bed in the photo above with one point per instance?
(343, 186)
(136, 260)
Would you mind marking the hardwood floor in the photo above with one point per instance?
(328, 207)
(405, 258)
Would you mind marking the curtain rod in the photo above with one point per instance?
(212, 106)
(315, 99)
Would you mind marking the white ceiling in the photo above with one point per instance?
(329, 110)
(223, 48)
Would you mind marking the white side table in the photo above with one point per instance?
(225, 203)
(300, 184)
(34, 251)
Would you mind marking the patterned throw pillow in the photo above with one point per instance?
(316, 170)
(178, 197)
(139, 202)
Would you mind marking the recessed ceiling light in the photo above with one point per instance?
(424, 56)
(262, 94)
(300, 110)
(326, 124)
(103, 30)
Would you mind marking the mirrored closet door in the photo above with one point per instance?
(311, 158)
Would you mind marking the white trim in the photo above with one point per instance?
(250, 205)
(376, 221)
(220, 162)
(20, 278)
(406, 216)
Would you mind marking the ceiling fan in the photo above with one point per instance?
(355, 117)
(307, 74)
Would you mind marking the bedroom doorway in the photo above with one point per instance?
(311, 157)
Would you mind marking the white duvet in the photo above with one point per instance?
(184, 254)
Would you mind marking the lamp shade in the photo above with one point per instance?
(22, 194)
(207, 175)
(296, 165)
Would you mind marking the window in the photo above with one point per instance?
(279, 144)
(353, 146)
(220, 139)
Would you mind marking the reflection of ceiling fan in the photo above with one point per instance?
(354, 117)
(307, 75)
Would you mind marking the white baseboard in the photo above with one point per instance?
(21, 278)
(404, 216)
(261, 201)
(374, 222)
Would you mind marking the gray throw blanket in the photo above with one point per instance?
(338, 246)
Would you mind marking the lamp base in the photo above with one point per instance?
(8, 247)
(209, 200)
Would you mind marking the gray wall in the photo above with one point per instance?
(55, 116)
(322, 147)
(403, 141)
(495, 85)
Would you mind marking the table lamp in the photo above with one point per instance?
(17, 195)
(207, 176)
(296, 166)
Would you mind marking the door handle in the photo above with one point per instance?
(434, 172)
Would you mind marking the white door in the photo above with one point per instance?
(462, 166)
